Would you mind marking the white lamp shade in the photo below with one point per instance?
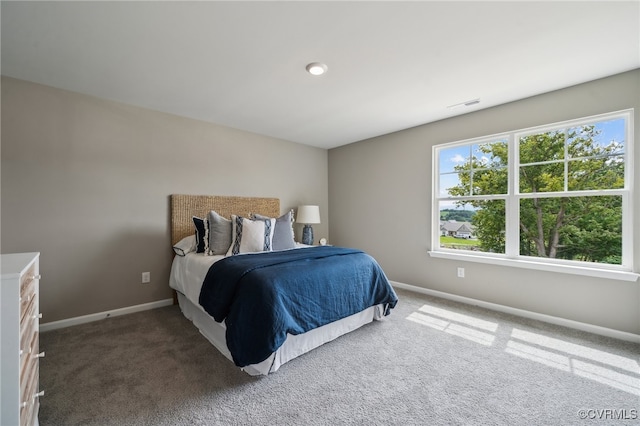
(308, 214)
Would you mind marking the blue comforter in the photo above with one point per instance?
(264, 296)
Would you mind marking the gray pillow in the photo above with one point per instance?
(219, 233)
(283, 237)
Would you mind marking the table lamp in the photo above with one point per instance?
(308, 215)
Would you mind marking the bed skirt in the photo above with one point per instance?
(293, 347)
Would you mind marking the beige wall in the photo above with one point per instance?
(86, 182)
(380, 201)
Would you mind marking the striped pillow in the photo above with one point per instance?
(250, 236)
(283, 237)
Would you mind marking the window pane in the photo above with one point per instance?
(474, 169)
(490, 154)
(587, 229)
(598, 173)
(450, 185)
(541, 147)
(603, 138)
(542, 178)
(474, 226)
(450, 158)
(491, 181)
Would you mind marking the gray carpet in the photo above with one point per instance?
(431, 362)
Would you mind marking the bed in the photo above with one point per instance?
(203, 282)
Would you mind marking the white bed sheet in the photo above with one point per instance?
(187, 275)
(188, 272)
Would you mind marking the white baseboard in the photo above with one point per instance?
(595, 329)
(102, 315)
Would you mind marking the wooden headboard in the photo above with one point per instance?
(184, 207)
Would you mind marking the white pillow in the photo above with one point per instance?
(185, 245)
(250, 236)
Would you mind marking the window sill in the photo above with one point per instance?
(540, 266)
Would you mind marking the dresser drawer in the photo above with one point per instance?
(29, 359)
(27, 311)
(27, 291)
(30, 383)
(29, 402)
(26, 280)
(29, 414)
(29, 326)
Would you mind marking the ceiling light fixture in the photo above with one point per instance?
(316, 68)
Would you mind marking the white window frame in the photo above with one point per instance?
(512, 257)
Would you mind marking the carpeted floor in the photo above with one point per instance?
(431, 362)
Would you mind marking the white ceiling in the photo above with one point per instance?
(391, 65)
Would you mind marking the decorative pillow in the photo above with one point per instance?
(185, 245)
(202, 234)
(283, 236)
(249, 236)
(219, 233)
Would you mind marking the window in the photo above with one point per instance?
(553, 195)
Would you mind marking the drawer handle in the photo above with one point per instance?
(36, 277)
(39, 394)
(24, 404)
(38, 316)
(40, 355)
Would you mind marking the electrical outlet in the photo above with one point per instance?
(460, 272)
(146, 277)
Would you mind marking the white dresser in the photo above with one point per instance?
(19, 329)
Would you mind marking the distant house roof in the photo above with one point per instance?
(455, 226)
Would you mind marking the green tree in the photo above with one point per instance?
(457, 215)
(586, 228)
